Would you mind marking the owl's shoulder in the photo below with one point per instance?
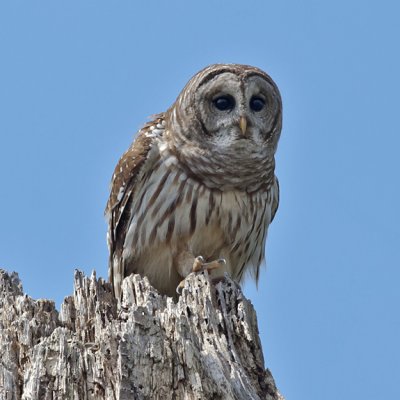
(132, 163)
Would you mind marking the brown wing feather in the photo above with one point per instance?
(275, 201)
(123, 183)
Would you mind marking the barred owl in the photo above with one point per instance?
(198, 183)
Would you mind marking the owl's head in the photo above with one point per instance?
(232, 114)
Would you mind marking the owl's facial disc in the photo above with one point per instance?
(233, 108)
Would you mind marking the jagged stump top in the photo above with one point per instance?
(205, 346)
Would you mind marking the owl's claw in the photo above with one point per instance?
(200, 265)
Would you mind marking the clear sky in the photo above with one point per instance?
(78, 78)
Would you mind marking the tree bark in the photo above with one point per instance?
(205, 346)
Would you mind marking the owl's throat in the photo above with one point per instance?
(224, 171)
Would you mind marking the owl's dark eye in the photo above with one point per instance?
(257, 103)
(224, 103)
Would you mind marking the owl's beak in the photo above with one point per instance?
(243, 125)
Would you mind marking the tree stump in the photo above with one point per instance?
(205, 346)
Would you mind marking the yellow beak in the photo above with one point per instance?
(243, 125)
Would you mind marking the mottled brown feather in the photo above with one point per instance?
(125, 176)
(275, 201)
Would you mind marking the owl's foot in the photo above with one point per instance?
(200, 265)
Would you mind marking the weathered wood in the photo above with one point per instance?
(205, 346)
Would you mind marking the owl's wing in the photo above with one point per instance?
(275, 199)
(123, 184)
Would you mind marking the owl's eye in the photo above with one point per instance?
(257, 103)
(224, 103)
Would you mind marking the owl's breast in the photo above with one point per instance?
(176, 217)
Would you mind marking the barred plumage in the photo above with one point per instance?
(194, 183)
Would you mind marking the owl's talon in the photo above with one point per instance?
(199, 265)
(180, 287)
(212, 265)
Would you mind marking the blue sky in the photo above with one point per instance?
(78, 78)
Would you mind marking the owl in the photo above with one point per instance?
(197, 188)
